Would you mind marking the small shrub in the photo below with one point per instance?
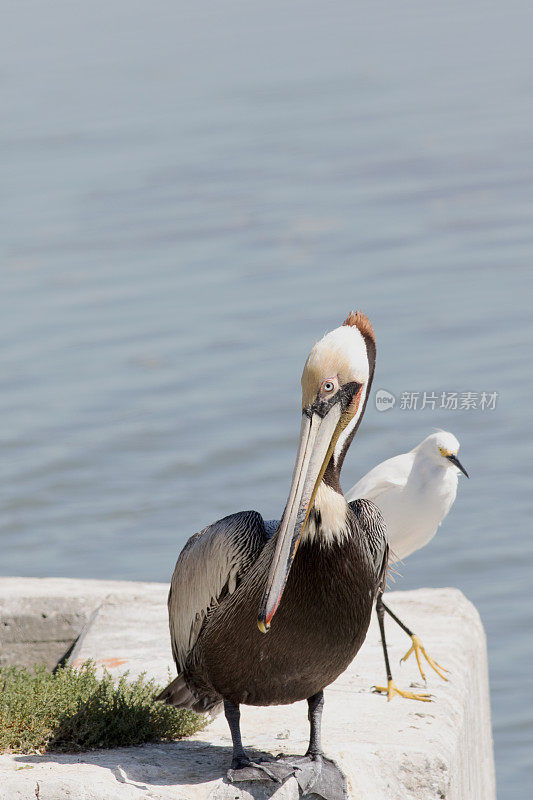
(73, 709)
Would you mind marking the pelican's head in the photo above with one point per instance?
(443, 445)
(335, 385)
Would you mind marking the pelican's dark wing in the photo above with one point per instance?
(209, 567)
(371, 523)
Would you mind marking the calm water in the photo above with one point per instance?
(193, 194)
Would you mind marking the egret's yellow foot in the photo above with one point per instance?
(418, 648)
(391, 689)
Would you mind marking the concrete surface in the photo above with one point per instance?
(41, 618)
(130, 635)
(388, 751)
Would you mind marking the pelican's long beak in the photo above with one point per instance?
(458, 464)
(318, 436)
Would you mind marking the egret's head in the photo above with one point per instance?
(444, 445)
(335, 385)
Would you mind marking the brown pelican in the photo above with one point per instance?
(317, 571)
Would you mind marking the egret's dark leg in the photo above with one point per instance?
(380, 611)
(391, 689)
(233, 716)
(417, 647)
(394, 617)
(316, 705)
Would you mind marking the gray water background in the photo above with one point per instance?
(193, 193)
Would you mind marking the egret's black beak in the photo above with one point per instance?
(458, 464)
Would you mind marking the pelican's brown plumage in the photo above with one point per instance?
(309, 582)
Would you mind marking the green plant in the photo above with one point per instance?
(73, 709)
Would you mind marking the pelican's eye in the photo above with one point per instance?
(328, 386)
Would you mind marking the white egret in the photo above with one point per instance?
(414, 491)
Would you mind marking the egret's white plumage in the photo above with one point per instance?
(414, 491)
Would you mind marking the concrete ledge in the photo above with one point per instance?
(41, 618)
(388, 751)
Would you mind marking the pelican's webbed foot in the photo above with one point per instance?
(314, 773)
(243, 769)
(318, 775)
